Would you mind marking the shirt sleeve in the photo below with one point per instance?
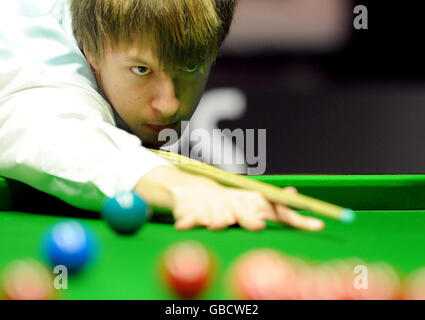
(62, 140)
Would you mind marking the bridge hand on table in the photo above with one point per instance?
(214, 206)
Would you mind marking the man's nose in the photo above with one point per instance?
(165, 101)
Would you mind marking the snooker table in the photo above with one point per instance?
(389, 226)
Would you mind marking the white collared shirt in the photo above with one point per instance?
(57, 133)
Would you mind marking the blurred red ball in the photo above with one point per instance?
(188, 268)
(414, 288)
(27, 280)
(263, 274)
(369, 281)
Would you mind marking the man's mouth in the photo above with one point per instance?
(158, 128)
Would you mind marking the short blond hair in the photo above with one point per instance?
(181, 32)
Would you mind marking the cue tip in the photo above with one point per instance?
(348, 216)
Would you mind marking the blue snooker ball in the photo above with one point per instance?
(126, 212)
(69, 243)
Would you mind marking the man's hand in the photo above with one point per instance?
(211, 205)
(198, 201)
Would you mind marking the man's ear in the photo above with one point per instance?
(90, 59)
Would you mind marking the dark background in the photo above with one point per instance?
(357, 109)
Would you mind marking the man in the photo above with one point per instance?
(85, 82)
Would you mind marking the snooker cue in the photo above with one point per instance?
(270, 192)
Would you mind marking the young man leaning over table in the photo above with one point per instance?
(85, 85)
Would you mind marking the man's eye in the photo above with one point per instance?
(191, 69)
(141, 70)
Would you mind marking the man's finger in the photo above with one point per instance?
(247, 218)
(296, 220)
(291, 189)
(185, 223)
(271, 214)
(220, 218)
(252, 224)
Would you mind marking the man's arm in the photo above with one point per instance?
(61, 140)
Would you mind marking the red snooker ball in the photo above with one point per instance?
(27, 280)
(263, 274)
(187, 269)
(382, 281)
(324, 283)
(414, 287)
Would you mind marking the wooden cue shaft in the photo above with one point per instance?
(270, 192)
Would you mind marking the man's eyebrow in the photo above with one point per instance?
(137, 60)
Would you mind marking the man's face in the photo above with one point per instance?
(146, 98)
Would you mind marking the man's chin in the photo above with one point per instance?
(153, 142)
(152, 145)
(150, 138)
